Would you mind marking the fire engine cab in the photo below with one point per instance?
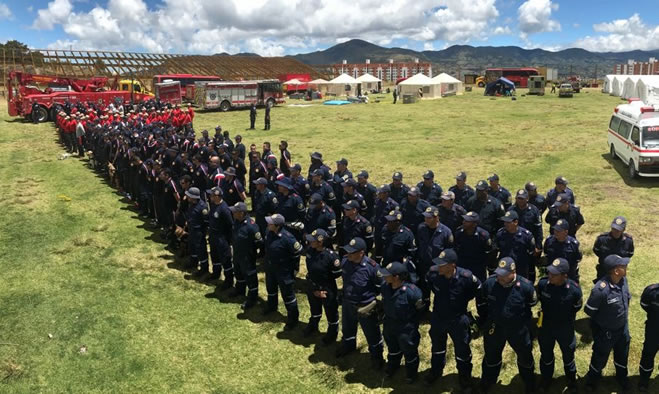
(633, 137)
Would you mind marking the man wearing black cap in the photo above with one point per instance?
(515, 242)
(273, 174)
(291, 207)
(499, 192)
(341, 175)
(504, 305)
(197, 221)
(349, 191)
(462, 191)
(561, 299)
(561, 245)
(369, 191)
(267, 152)
(473, 246)
(402, 303)
(361, 284)
(432, 237)
(302, 187)
(412, 207)
(383, 205)
(650, 303)
(616, 241)
(264, 203)
(530, 219)
(257, 169)
(355, 225)
(608, 308)
(282, 259)
(232, 189)
(240, 147)
(285, 162)
(563, 209)
(220, 223)
(169, 201)
(560, 188)
(398, 242)
(428, 189)
(453, 287)
(323, 267)
(397, 189)
(320, 216)
(536, 199)
(450, 213)
(317, 164)
(246, 239)
(488, 208)
(320, 186)
(239, 165)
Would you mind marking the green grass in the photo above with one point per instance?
(87, 272)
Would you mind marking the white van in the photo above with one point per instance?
(634, 138)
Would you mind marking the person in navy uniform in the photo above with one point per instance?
(197, 222)
(616, 241)
(285, 162)
(267, 117)
(402, 302)
(530, 219)
(563, 209)
(355, 225)
(608, 308)
(650, 303)
(323, 267)
(265, 203)
(559, 188)
(361, 285)
(450, 213)
(488, 208)
(220, 223)
(473, 246)
(397, 189)
(398, 241)
(383, 205)
(341, 175)
(302, 187)
(504, 308)
(282, 258)
(432, 238)
(536, 199)
(317, 164)
(562, 245)
(252, 116)
(412, 209)
(369, 192)
(499, 192)
(462, 191)
(246, 239)
(233, 191)
(320, 186)
(515, 242)
(320, 216)
(291, 207)
(349, 192)
(561, 299)
(239, 146)
(428, 189)
(453, 288)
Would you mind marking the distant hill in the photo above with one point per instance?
(460, 58)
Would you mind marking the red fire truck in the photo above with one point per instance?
(187, 81)
(236, 94)
(24, 93)
(519, 76)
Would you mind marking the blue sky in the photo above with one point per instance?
(278, 27)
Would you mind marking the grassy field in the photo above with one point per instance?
(90, 301)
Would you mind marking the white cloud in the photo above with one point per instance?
(428, 46)
(622, 35)
(502, 30)
(5, 12)
(534, 16)
(209, 26)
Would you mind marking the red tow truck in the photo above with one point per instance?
(42, 92)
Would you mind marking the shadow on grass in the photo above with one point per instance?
(255, 315)
(621, 169)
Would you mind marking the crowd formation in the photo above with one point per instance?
(403, 253)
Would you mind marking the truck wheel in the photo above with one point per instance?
(225, 106)
(270, 103)
(612, 152)
(40, 115)
(633, 174)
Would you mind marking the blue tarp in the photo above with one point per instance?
(336, 102)
(500, 86)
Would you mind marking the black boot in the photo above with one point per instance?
(236, 292)
(228, 282)
(411, 372)
(377, 362)
(311, 328)
(291, 323)
(391, 369)
(572, 383)
(249, 303)
(432, 376)
(330, 336)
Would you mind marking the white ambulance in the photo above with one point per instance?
(634, 138)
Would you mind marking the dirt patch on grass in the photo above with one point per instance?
(10, 370)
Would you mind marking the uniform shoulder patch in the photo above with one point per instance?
(300, 206)
(297, 245)
(331, 195)
(306, 186)
(274, 199)
(602, 285)
(204, 212)
(252, 221)
(372, 262)
(337, 263)
(257, 236)
(369, 229)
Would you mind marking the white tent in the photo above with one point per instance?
(448, 85)
(320, 84)
(608, 83)
(318, 81)
(293, 81)
(617, 84)
(647, 89)
(344, 85)
(370, 82)
(420, 86)
(629, 86)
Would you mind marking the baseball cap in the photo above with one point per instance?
(471, 216)
(394, 268)
(349, 182)
(505, 266)
(352, 204)
(413, 191)
(558, 266)
(522, 193)
(561, 199)
(355, 245)
(397, 176)
(362, 174)
(493, 177)
(384, 189)
(285, 182)
(343, 161)
(260, 181)
(561, 225)
(238, 207)
(461, 176)
(428, 175)
(394, 215)
(315, 199)
(431, 212)
(275, 219)
(560, 180)
(317, 172)
(447, 256)
(317, 156)
(296, 167)
(509, 216)
(193, 192)
(530, 186)
(448, 195)
(613, 260)
(482, 185)
(216, 191)
(317, 235)
(619, 223)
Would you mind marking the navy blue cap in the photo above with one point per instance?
(317, 156)
(238, 207)
(318, 235)
(317, 172)
(431, 212)
(216, 191)
(428, 175)
(558, 266)
(530, 186)
(296, 167)
(343, 161)
(414, 191)
(509, 216)
(193, 192)
(505, 266)
(471, 216)
(613, 260)
(522, 193)
(397, 176)
(355, 245)
(315, 198)
(482, 185)
(285, 182)
(384, 189)
(561, 199)
(561, 225)
(461, 176)
(260, 181)
(448, 256)
(349, 182)
(362, 174)
(352, 204)
(560, 180)
(394, 268)
(448, 195)
(275, 219)
(619, 223)
(230, 171)
(394, 215)
(493, 177)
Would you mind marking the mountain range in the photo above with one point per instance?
(457, 59)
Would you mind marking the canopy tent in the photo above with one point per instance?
(344, 85)
(629, 86)
(448, 85)
(500, 86)
(320, 84)
(318, 81)
(608, 83)
(370, 82)
(420, 86)
(647, 89)
(293, 81)
(617, 84)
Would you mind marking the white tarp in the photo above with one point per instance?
(616, 85)
(421, 86)
(608, 83)
(448, 85)
(647, 89)
(629, 87)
